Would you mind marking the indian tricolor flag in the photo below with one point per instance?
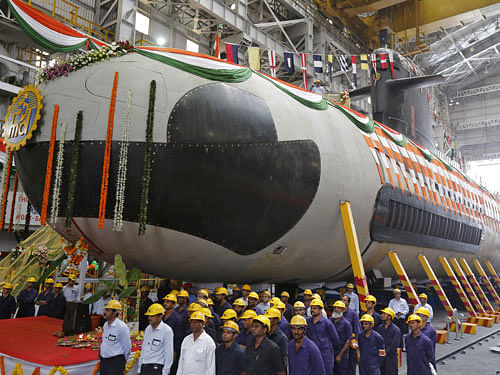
(216, 49)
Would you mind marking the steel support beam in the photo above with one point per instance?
(458, 288)
(405, 280)
(475, 284)
(467, 286)
(478, 124)
(436, 285)
(487, 282)
(476, 91)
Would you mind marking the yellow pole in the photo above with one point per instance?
(487, 281)
(354, 253)
(475, 284)
(493, 273)
(436, 284)
(458, 287)
(398, 266)
(467, 286)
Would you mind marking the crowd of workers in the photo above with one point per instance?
(251, 334)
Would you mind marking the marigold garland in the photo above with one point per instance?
(122, 167)
(56, 194)
(13, 203)
(73, 174)
(146, 174)
(5, 189)
(107, 155)
(96, 368)
(36, 371)
(132, 362)
(18, 370)
(48, 173)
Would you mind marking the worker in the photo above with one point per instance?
(354, 305)
(299, 308)
(283, 323)
(428, 330)
(229, 314)
(423, 303)
(392, 337)
(221, 301)
(419, 354)
(26, 299)
(174, 320)
(245, 291)
(98, 308)
(44, 297)
(318, 88)
(304, 357)
(252, 301)
(275, 333)
(236, 294)
(322, 331)
(87, 293)
(57, 304)
(144, 304)
(353, 318)
(264, 301)
(208, 327)
(71, 291)
(7, 302)
(202, 294)
(285, 296)
(157, 352)
(189, 288)
(230, 358)
(371, 347)
(307, 297)
(197, 349)
(370, 302)
(116, 345)
(263, 355)
(182, 302)
(239, 306)
(401, 309)
(344, 330)
(245, 336)
(308, 309)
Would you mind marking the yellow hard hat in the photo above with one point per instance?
(264, 320)
(389, 311)
(367, 318)
(308, 292)
(31, 280)
(72, 277)
(88, 285)
(396, 290)
(229, 314)
(423, 311)
(413, 317)
(206, 311)
(280, 305)
(210, 302)
(273, 313)
(274, 301)
(285, 294)
(371, 298)
(316, 296)
(248, 314)
(266, 292)
(113, 304)
(194, 307)
(298, 321)
(299, 305)
(204, 292)
(202, 302)
(237, 288)
(197, 315)
(174, 292)
(253, 295)
(232, 326)
(183, 293)
(246, 287)
(339, 304)
(317, 302)
(170, 297)
(239, 302)
(144, 288)
(155, 309)
(59, 285)
(50, 281)
(350, 286)
(422, 295)
(221, 290)
(7, 286)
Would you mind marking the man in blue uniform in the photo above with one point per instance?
(221, 303)
(419, 354)
(323, 333)
(26, 299)
(57, 304)
(352, 317)
(275, 333)
(344, 330)
(284, 296)
(245, 336)
(230, 358)
(392, 337)
(253, 300)
(304, 357)
(283, 323)
(428, 330)
(174, 320)
(116, 345)
(44, 298)
(370, 302)
(7, 302)
(371, 347)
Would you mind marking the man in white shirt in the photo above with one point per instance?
(116, 345)
(157, 353)
(264, 301)
(354, 305)
(423, 303)
(317, 88)
(401, 309)
(197, 349)
(71, 291)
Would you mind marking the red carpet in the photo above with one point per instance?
(31, 339)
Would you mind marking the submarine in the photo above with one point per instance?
(247, 175)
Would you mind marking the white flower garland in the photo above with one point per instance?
(58, 177)
(122, 167)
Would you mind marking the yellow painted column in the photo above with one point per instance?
(457, 286)
(493, 273)
(436, 284)
(487, 281)
(476, 286)
(398, 266)
(468, 288)
(354, 253)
